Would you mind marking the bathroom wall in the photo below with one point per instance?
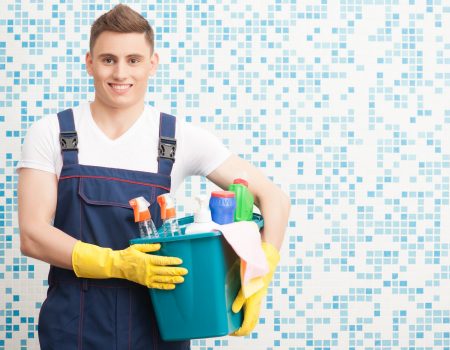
(344, 104)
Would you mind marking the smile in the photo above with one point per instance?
(120, 87)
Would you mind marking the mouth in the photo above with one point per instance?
(120, 88)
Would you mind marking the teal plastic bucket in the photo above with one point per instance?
(200, 307)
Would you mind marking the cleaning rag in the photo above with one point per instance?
(245, 239)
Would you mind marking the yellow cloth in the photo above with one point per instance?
(252, 304)
(132, 263)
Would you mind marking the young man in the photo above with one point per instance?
(78, 171)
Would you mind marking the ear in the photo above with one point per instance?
(89, 63)
(154, 60)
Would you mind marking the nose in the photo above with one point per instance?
(120, 71)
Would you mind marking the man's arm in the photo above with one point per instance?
(37, 203)
(273, 203)
(40, 240)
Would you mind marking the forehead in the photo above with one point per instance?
(121, 43)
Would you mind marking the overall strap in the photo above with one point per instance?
(167, 144)
(68, 138)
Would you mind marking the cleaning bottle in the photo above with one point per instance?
(142, 215)
(244, 200)
(170, 225)
(222, 205)
(202, 217)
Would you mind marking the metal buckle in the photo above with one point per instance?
(68, 140)
(167, 147)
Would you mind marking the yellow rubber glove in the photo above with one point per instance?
(252, 304)
(132, 263)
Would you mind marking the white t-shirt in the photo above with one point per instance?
(198, 151)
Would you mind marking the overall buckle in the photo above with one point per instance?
(68, 140)
(167, 147)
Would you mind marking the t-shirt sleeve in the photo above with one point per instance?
(38, 149)
(202, 151)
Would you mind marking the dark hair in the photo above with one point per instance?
(121, 19)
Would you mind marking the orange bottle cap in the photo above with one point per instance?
(140, 209)
(167, 205)
(170, 213)
(222, 194)
(241, 181)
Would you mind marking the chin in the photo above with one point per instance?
(119, 105)
(119, 102)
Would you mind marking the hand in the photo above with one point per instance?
(132, 263)
(252, 304)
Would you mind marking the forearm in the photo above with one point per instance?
(271, 201)
(274, 206)
(38, 238)
(47, 243)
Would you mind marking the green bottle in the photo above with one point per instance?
(244, 200)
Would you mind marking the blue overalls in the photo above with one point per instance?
(92, 206)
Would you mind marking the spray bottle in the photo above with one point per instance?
(142, 215)
(244, 200)
(202, 217)
(170, 225)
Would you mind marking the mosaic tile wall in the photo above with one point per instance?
(343, 103)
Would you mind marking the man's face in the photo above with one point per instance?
(121, 64)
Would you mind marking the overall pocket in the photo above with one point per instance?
(106, 217)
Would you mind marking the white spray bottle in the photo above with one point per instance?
(202, 217)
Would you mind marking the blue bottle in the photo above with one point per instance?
(223, 206)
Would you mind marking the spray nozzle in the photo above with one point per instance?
(167, 204)
(140, 209)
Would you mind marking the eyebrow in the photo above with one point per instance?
(114, 56)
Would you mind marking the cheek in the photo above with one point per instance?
(142, 74)
(100, 73)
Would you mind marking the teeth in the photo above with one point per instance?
(120, 87)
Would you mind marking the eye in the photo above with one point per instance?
(108, 60)
(134, 60)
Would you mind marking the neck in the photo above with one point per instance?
(115, 121)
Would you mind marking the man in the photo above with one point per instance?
(79, 170)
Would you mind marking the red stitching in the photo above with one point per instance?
(113, 179)
(91, 201)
